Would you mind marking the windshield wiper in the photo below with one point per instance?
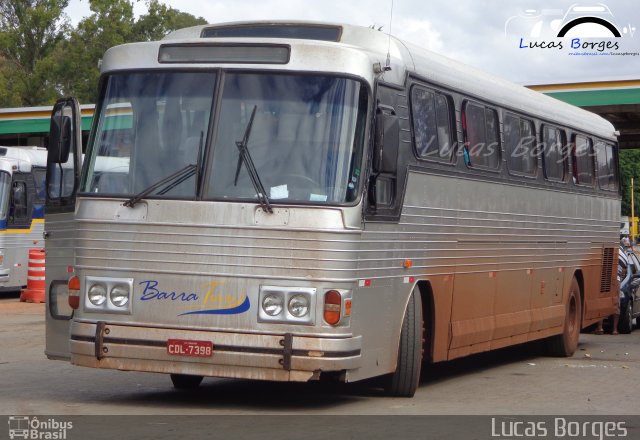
(171, 181)
(245, 157)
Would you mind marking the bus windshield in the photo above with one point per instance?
(5, 185)
(305, 139)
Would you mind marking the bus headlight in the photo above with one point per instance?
(97, 294)
(108, 295)
(119, 295)
(272, 304)
(287, 305)
(298, 306)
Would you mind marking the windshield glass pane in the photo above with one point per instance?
(305, 140)
(5, 184)
(150, 126)
(39, 177)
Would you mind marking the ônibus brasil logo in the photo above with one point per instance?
(32, 428)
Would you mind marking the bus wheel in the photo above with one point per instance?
(185, 381)
(405, 380)
(565, 344)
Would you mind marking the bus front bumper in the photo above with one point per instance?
(284, 357)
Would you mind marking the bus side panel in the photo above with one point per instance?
(511, 254)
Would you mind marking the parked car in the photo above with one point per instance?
(629, 275)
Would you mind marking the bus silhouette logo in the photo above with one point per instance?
(581, 21)
(18, 427)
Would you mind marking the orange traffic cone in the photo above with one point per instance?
(34, 293)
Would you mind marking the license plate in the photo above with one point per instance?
(182, 347)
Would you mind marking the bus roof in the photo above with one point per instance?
(24, 158)
(356, 50)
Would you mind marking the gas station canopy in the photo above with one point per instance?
(616, 101)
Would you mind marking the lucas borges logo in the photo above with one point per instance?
(580, 29)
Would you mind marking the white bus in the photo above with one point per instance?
(22, 199)
(301, 200)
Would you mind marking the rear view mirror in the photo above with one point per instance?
(64, 148)
(60, 137)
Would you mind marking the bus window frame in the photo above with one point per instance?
(5, 202)
(616, 169)
(22, 221)
(463, 118)
(453, 132)
(532, 123)
(575, 171)
(563, 152)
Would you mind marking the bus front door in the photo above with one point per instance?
(63, 177)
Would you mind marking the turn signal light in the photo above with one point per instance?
(74, 292)
(332, 307)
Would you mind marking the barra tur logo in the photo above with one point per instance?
(212, 301)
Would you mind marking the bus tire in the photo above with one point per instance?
(625, 326)
(185, 381)
(405, 380)
(566, 343)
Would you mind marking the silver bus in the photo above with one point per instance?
(289, 201)
(22, 199)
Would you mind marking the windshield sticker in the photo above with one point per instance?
(317, 198)
(210, 301)
(279, 192)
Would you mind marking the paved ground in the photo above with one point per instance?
(603, 377)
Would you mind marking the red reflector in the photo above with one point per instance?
(74, 283)
(347, 307)
(74, 292)
(332, 306)
(74, 302)
(69, 269)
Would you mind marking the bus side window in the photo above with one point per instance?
(481, 137)
(606, 167)
(554, 158)
(583, 160)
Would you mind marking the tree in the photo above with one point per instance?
(29, 32)
(43, 58)
(111, 23)
(160, 20)
(629, 167)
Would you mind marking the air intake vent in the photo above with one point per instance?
(606, 275)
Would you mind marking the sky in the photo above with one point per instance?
(495, 36)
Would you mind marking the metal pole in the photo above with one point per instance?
(633, 216)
